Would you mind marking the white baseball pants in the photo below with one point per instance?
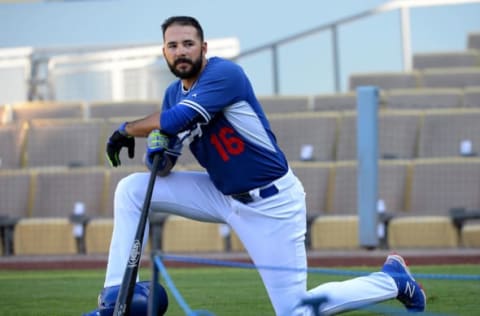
(271, 229)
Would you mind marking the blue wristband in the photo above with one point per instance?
(123, 129)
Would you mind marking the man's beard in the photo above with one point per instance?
(196, 66)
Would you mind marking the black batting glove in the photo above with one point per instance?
(116, 142)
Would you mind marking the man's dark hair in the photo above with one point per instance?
(184, 21)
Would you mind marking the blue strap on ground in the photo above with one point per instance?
(314, 302)
(233, 264)
(173, 289)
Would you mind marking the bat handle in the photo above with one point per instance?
(125, 294)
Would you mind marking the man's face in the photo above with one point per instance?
(183, 51)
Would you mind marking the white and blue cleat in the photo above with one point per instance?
(410, 292)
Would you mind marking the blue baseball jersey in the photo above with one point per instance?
(227, 130)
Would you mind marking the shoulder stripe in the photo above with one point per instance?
(197, 107)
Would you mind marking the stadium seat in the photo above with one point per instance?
(392, 180)
(457, 59)
(15, 201)
(47, 110)
(346, 147)
(470, 235)
(471, 97)
(314, 133)
(473, 40)
(136, 109)
(44, 236)
(284, 104)
(15, 189)
(450, 77)
(12, 137)
(438, 185)
(335, 102)
(424, 98)
(385, 80)
(343, 190)
(422, 232)
(315, 177)
(63, 142)
(185, 235)
(397, 135)
(335, 232)
(98, 233)
(449, 133)
(56, 191)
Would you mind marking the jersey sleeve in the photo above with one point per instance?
(179, 119)
(220, 86)
(176, 118)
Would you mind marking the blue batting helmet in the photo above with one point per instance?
(139, 303)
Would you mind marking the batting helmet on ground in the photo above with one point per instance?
(139, 303)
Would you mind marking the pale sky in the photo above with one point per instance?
(372, 44)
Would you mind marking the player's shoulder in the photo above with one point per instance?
(218, 68)
(173, 86)
(222, 64)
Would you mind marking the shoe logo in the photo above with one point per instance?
(409, 289)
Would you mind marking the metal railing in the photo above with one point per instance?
(403, 6)
(107, 72)
(31, 76)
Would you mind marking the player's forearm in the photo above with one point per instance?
(142, 127)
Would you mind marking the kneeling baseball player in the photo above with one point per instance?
(248, 184)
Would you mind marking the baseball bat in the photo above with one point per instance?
(122, 305)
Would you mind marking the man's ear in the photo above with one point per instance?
(204, 48)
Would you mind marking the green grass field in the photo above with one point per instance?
(224, 291)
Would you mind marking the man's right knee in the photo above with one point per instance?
(132, 185)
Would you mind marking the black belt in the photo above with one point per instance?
(246, 197)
